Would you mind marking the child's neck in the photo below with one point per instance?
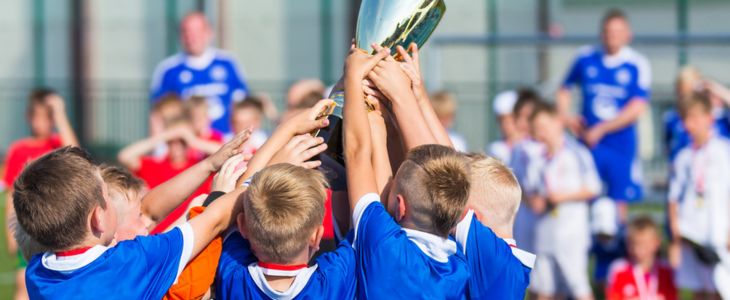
(646, 265)
(698, 141)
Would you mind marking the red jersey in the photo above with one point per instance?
(24, 151)
(626, 281)
(156, 171)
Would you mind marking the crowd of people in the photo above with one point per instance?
(210, 205)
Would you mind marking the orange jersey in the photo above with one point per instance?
(198, 275)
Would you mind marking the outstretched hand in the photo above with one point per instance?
(299, 150)
(412, 67)
(358, 63)
(228, 150)
(233, 168)
(306, 121)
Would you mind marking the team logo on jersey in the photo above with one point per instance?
(185, 76)
(623, 77)
(218, 73)
(592, 72)
(605, 108)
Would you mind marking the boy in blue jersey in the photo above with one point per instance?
(62, 202)
(407, 253)
(499, 270)
(615, 83)
(280, 227)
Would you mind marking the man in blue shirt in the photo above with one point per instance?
(201, 70)
(615, 83)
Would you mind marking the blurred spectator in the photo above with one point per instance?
(568, 180)
(180, 139)
(45, 113)
(249, 114)
(210, 140)
(524, 152)
(504, 104)
(643, 275)
(201, 70)
(690, 81)
(699, 202)
(615, 83)
(444, 104)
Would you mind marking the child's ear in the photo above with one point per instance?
(401, 210)
(315, 239)
(241, 223)
(97, 225)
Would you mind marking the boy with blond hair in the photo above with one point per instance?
(426, 199)
(499, 270)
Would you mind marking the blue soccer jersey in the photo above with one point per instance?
(676, 136)
(498, 270)
(398, 263)
(143, 268)
(214, 75)
(240, 276)
(608, 84)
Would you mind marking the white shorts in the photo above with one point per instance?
(524, 228)
(564, 273)
(692, 274)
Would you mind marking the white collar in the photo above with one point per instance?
(612, 61)
(201, 61)
(70, 263)
(432, 245)
(300, 282)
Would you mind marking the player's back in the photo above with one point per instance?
(143, 268)
(499, 270)
(241, 276)
(395, 262)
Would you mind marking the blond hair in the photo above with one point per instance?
(283, 206)
(434, 180)
(495, 192)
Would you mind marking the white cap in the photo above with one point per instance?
(504, 102)
(604, 217)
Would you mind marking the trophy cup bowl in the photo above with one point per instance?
(388, 23)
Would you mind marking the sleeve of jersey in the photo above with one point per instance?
(165, 256)
(372, 223)
(481, 247)
(573, 76)
(641, 88)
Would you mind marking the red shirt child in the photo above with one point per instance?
(628, 281)
(23, 151)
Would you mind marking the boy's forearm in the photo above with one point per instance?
(437, 129)
(629, 115)
(130, 155)
(358, 144)
(673, 216)
(65, 131)
(164, 198)
(562, 100)
(381, 160)
(413, 126)
(216, 218)
(207, 147)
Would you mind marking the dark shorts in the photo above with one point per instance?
(621, 173)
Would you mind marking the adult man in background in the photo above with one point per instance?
(201, 70)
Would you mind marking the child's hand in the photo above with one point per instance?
(412, 67)
(55, 102)
(228, 150)
(306, 121)
(389, 77)
(225, 179)
(358, 63)
(299, 150)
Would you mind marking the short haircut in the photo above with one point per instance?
(197, 102)
(444, 103)
(696, 100)
(282, 207)
(121, 181)
(525, 96)
(310, 100)
(38, 97)
(495, 192)
(543, 108)
(171, 109)
(434, 180)
(641, 224)
(54, 196)
(612, 14)
(250, 102)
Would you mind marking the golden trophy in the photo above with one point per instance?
(388, 23)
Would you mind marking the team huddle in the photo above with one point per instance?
(409, 215)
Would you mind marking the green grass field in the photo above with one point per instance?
(7, 262)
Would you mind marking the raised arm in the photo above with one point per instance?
(393, 82)
(164, 198)
(302, 123)
(380, 159)
(412, 67)
(216, 218)
(358, 144)
(65, 131)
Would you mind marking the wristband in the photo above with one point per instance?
(212, 197)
